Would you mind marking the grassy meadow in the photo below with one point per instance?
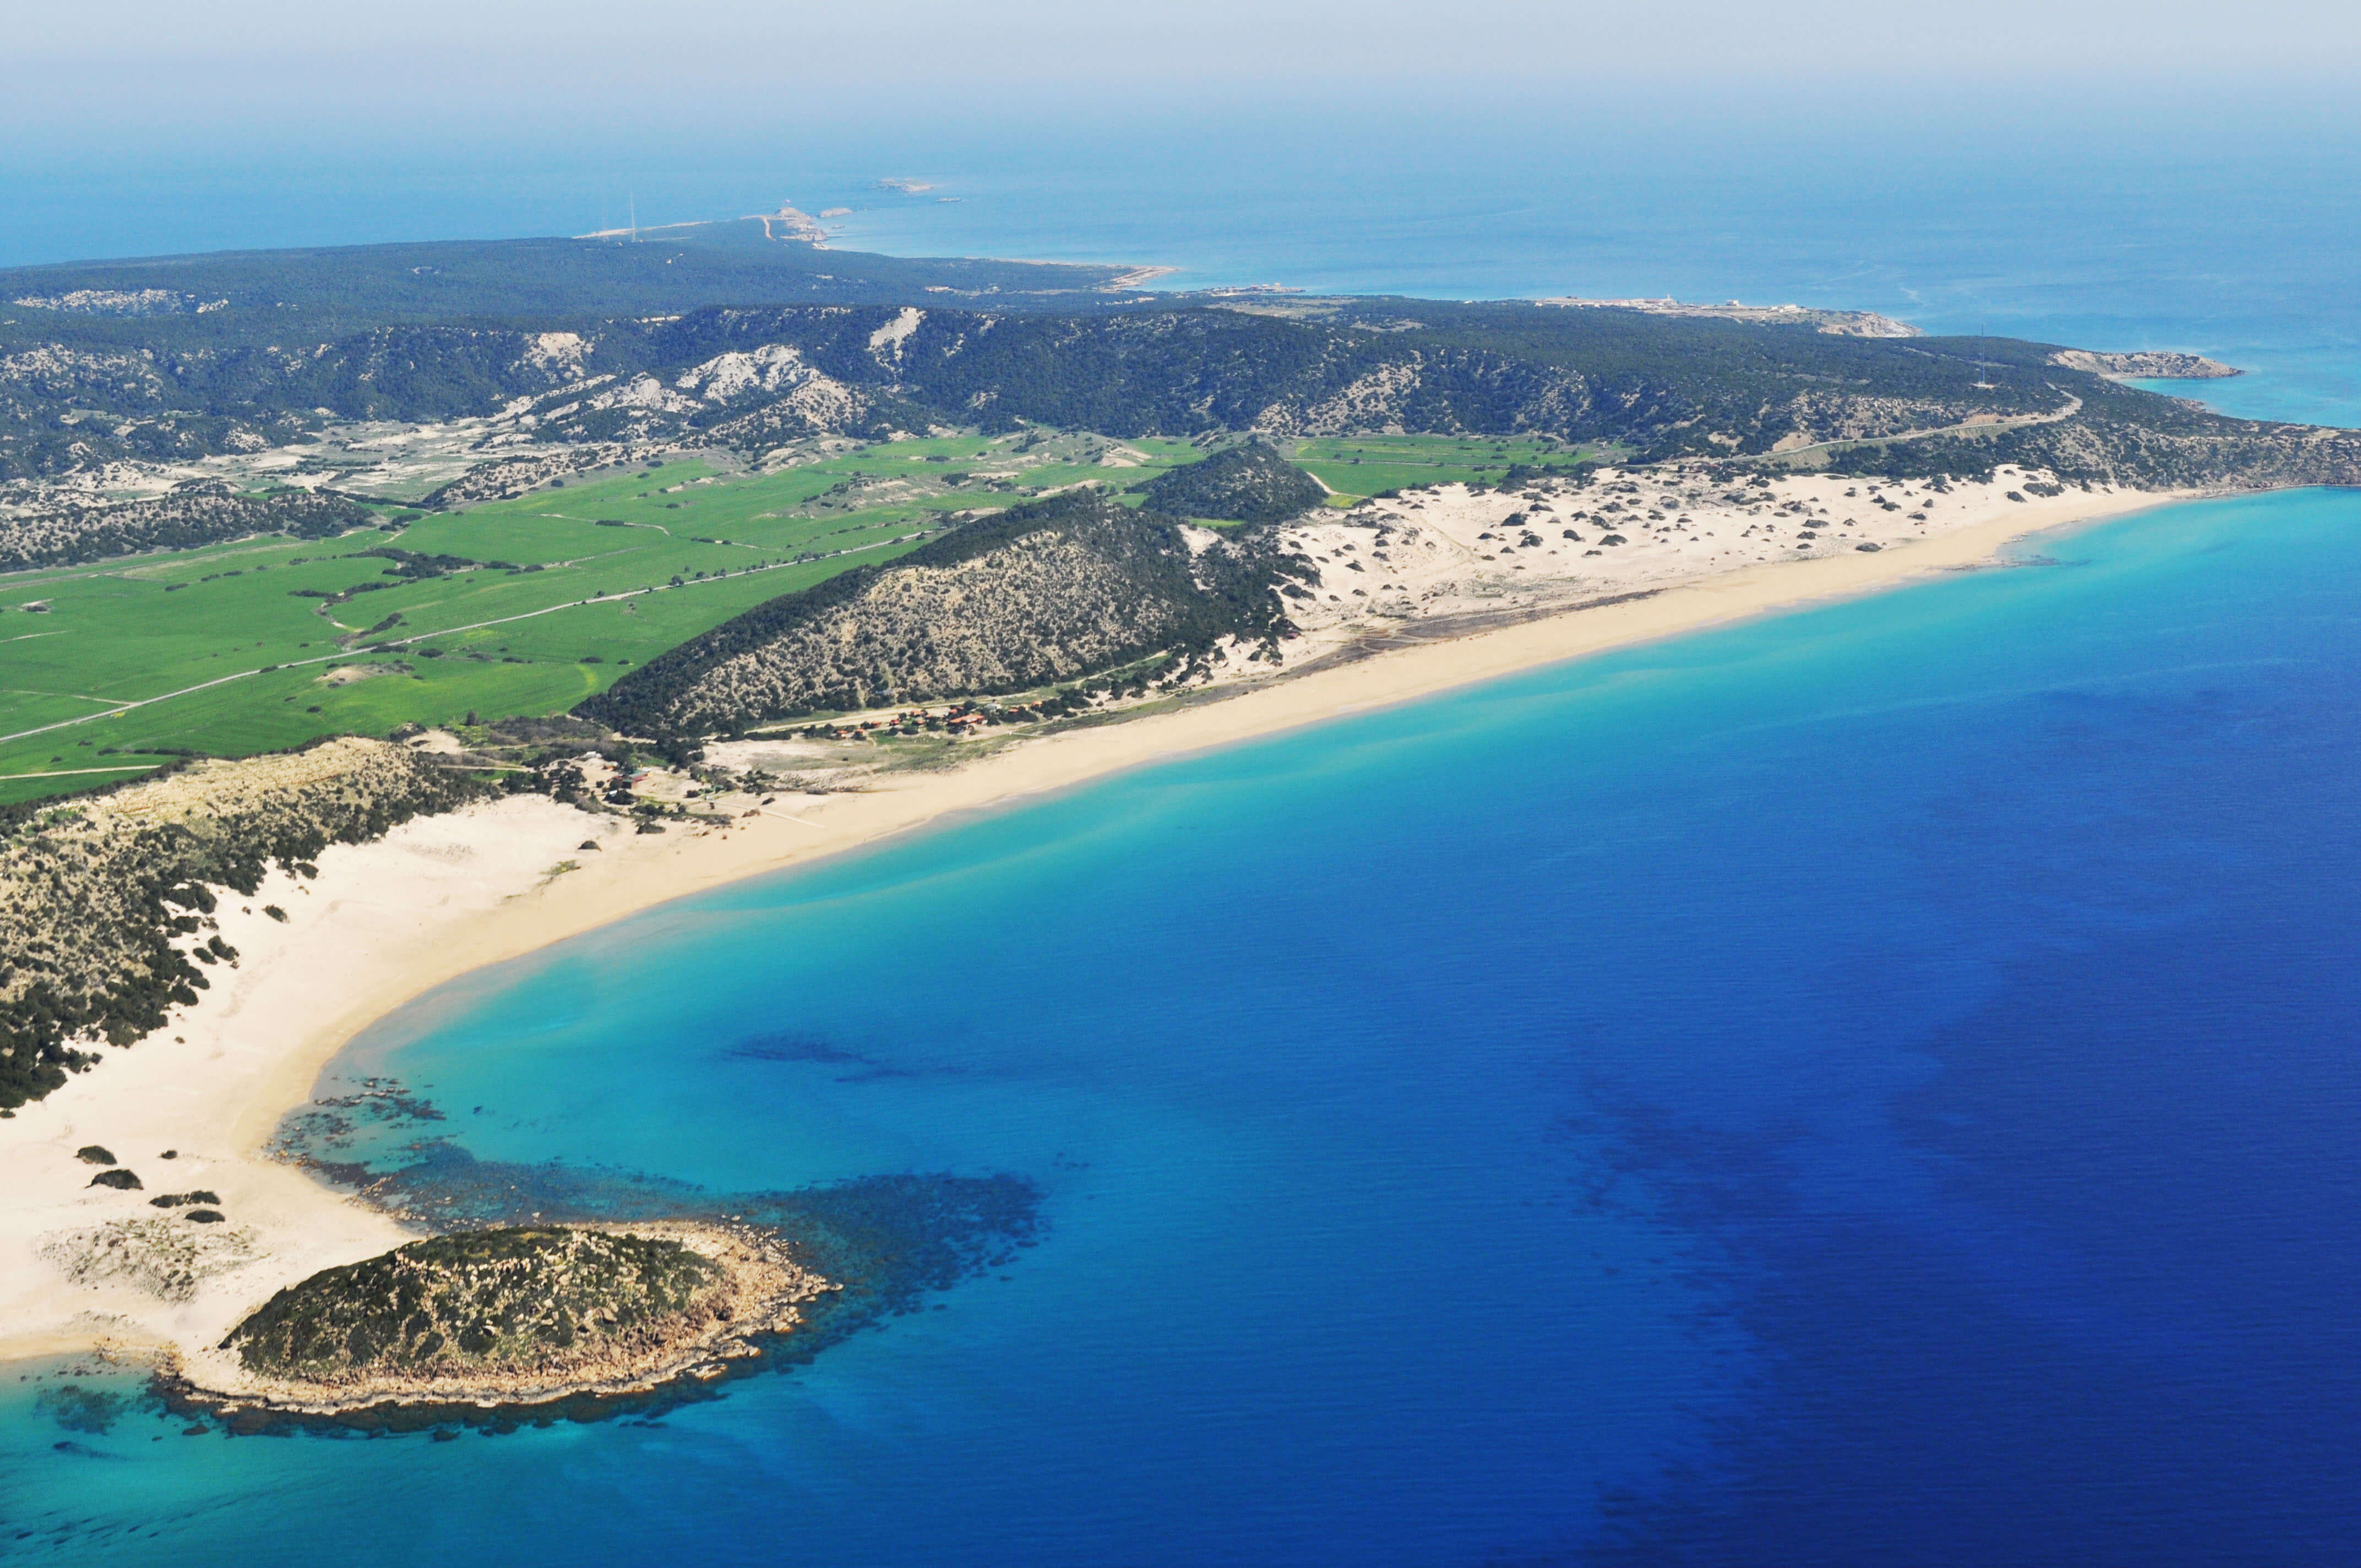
(230, 650)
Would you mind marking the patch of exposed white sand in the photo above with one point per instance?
(79, 1262)
(439, 897)
(1452, 551)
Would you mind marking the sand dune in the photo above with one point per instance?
(438, 897)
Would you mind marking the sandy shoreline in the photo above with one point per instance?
(440, 897)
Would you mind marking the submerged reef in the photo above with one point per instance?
(470, 1326)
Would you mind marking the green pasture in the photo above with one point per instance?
(572, 587)
(1358, 467)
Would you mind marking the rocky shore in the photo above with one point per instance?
(511, 1319)
(2149, 365)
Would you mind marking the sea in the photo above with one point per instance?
(1876, 1085)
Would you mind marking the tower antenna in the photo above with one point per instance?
(635, 217)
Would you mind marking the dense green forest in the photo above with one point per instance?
(252, 297)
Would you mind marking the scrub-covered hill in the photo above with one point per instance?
(1240, 484)
(748, 339)
(70, 534)
(104, 905)
(479, 1301)
(1071, 586)
(531, 1313)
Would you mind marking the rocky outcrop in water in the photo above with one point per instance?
(518, 1314)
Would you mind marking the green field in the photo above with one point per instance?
(1358, 466)
(571, 586)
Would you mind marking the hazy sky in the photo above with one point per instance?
(245, 56)
(138, 126)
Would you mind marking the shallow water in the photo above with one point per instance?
(1871, 1086)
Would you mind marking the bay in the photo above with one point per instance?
(1873, 1085)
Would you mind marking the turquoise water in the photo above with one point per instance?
(1872, 1086)
(1869, 1086)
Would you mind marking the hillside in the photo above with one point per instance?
(754, 378)
(169, 359)
(103, 905)
(1238, 484)
(1066, 586)
(749, 378)
(72, 535)
(552, 361)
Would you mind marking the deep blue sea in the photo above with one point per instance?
(1875, 1086)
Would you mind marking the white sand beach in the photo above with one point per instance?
(382, 923)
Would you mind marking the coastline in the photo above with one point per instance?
(441, 897)
(760, 1297)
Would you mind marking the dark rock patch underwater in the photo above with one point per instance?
(890, 1240)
